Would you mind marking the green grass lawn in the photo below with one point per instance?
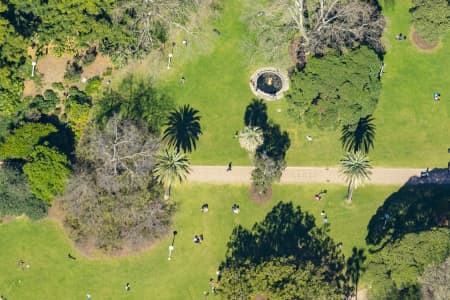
(412, 130)
(53, 276)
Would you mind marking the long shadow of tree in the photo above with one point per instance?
(422, 203)
(290, 234)
(63, 139)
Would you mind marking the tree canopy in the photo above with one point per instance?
(325, 99)
(431, 18)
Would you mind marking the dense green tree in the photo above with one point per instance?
(355, 167)
(47, 172)
(183, 128)
(285, 256)
(171, 166)
(431, 18)
(359, 136)
(393, 270)
(138, 100)
(327, 99)
(21, 143)
(16, 197)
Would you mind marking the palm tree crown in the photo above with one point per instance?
(183, 128)
(355, 167)
(250, 138)
(171, 166)
(359, 138)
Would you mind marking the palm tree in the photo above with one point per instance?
(171, 166)
(359, 138)
(355, 167)
(183, 128)
(250, 138)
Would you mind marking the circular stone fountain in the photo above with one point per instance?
(269, 83)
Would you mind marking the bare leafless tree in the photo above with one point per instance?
(112, 196)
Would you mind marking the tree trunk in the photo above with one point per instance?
(167, 193)
(350, 192)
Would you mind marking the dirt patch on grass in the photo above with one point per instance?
(52, 68)
(30, 88)
(257, 197)
(7, 219)
(421, 44)
(98, 67)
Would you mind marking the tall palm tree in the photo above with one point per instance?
(183, 128)
(171, 166)
(359, 138)
(250, 138)
(355, 167)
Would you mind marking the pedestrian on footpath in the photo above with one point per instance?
(229, 166)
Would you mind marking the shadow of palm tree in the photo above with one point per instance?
(256, 114)
(422, 203)
(359, 136)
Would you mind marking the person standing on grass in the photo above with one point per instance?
(88, 296)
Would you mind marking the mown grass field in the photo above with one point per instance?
(412, 130)
(53, 276)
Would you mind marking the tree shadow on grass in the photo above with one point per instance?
(422, 203)
(285, 232)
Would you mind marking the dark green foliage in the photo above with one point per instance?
(326, 99)
(183, 128)
(58, 86)
(47, 173)
(73, 71)
(15, 195)
(137, 100)
(431, 18)
(359, 136)
(45, 103)
(77, 96)
(393, 270)
(89, 56)
(21, 142)
(285, 256)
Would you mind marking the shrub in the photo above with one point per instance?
(73, 71)
(93, 85)
(15, 196)
(431, 18)
(90, 55)
(58, 86)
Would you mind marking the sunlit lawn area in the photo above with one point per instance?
(53, 276)
(412, 130)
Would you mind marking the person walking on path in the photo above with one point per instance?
(229, 166)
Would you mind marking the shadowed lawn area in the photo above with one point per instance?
(412, 130)
(53, 276)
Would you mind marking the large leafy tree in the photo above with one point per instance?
(22, 140)
(171, 166)
(47, 173)
(285, 256)
(431, 18)
(359, 137)
(435, 281)
(325, 99)
(16, 197)
(250, 138)
(183, 128)
(355, 168)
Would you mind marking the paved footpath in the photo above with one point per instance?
(219, 174)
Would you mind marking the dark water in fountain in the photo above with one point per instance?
(269, 83)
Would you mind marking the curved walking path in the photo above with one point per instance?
(219, 174)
